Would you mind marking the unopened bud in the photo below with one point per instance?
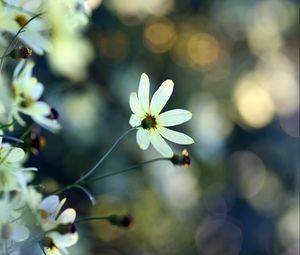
(21, 53)
(66, 228)
(125, 221)
(181, 160)
(54, 115)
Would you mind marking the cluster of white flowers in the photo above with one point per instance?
(54, 28)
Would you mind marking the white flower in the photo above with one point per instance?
(26, 94)
(151, 123)
(64, 232)
(71, 52)
(11, 227)
(35, 34)
(12, 175)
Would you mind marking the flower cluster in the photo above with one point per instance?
(55, 29)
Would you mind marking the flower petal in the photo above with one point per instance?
(134, 120)
(159, 144)
(174, 136)
(37, 109)
(49, 204)
(173, 117)
(143, 138)
(19, 232)
(135, 105)
(15, 155)
(67, 216)
(37, 91)
(161, 97)
(49, 124)
(143, 92)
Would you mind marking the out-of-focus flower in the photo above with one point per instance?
(70, 52)
(12, 175)
(11, 227)
(59, 227)
(26, 93)
(13, 18)
(151, 123)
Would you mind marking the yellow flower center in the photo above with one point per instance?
(149, 122)
(25, 101)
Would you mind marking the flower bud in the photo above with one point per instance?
(54, 115)
(66, 228)
(181, 160)
(125, 221)
(21, 53)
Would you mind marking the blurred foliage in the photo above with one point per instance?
(235, 66)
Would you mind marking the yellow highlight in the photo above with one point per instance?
(203, 49)
(160, 36)
(253, 103)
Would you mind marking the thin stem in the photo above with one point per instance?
(123, 170)
(92, 218)
(75, 185)
(8, 125)
(89, 172)
(8, 137)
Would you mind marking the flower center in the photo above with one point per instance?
(149, 122)
(21, 20)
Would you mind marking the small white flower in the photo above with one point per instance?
(13, 176)
(26, 94)
(35, 34)
(11, 227)
(152, 123)
(64, 233)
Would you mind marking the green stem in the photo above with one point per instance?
(81, 220)
(75, 185)
(123, 170)
(89, 172)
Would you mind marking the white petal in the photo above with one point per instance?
(134, 120)
(161, 97)
(159, 144)
(49, 204)
(59, 206)
(143, 138)
(18, 68)
(38, 108)
(143, 92)
(19, 232)
(49, 124)
(135, 105)
(173, 117)
(174, 136)
(16, 154)
(37, 91)
(67, 216)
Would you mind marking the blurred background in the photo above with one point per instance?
(235, 66)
